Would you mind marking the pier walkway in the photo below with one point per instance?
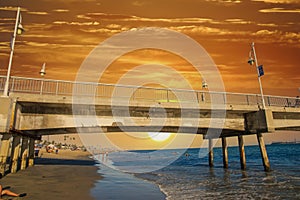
(37, 107)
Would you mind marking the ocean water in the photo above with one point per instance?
(190, 177)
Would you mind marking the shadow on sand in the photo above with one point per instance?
(55, 161)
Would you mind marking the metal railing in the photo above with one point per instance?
(68, 88)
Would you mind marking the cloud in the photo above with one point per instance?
(83, 17)
(113, 26)
(205, 30)
(139, 3)
(268, 25)
(37, 13)
(279, 36)
(279, 1)
(10, 8)
(55, 45)
(132, 18)
(279, 10)
(225, 1)
(77, 23)
(238, 21)
(60, 10)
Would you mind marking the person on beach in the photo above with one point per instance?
(10, 193)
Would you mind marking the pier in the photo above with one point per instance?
(37, 107)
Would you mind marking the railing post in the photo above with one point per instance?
(12, 84)
(247, 98)
(56, 90)
(288, 102)
(269, 102)
(168, 100)
(42, 84)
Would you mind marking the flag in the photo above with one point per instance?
(20, 28)
(11, 41)
(260, 71)
(20, 19)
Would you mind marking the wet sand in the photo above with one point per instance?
(66, 175)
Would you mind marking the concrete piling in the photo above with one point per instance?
(24, 153)
(31, 152)
(4, 150)
(242, 152)
(263, 152)
(15, 153)
(211, 152)
(225, 152)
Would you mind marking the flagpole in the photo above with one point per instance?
(258, 75)
(5, 92)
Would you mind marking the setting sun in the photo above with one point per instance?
(159, 137)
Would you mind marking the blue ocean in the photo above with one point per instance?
(185, 174)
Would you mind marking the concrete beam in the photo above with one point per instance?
(15, 153)
(31, 152)
(24, 153)
(260, 121)
(6, 114)
(4, 149)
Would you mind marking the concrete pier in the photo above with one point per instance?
(4, 152)
(225, 152)
(242, 152)
(31, 116)
(15, 153)
(24, 153)
(263, 152)
(31, 152)
(211, 152)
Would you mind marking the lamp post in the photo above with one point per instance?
(204, 86)
(17, 31)
(42, 73)
(251, 61)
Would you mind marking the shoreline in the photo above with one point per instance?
(66, 175)
(125, 186)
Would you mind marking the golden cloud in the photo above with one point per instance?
(279, 10)
(37, 13)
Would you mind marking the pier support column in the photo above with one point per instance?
(211, 152)
(15, 152)
(242, 152)
(263, 152)
(5, 143)
(225, 152)
(31, 152)
(24, 153)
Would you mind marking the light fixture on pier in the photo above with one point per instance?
(204, 84)
(43, 70)
(259, 70)
(17, 31)
(20, 29)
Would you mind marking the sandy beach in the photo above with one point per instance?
(66, 175)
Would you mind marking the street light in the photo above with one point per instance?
(42, 73)
(17, 31)
(259, 70)
(204, 86)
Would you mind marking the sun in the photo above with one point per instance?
(159, 137)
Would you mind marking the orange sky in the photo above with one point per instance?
(63, 32)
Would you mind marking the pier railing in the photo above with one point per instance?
(60, 87)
